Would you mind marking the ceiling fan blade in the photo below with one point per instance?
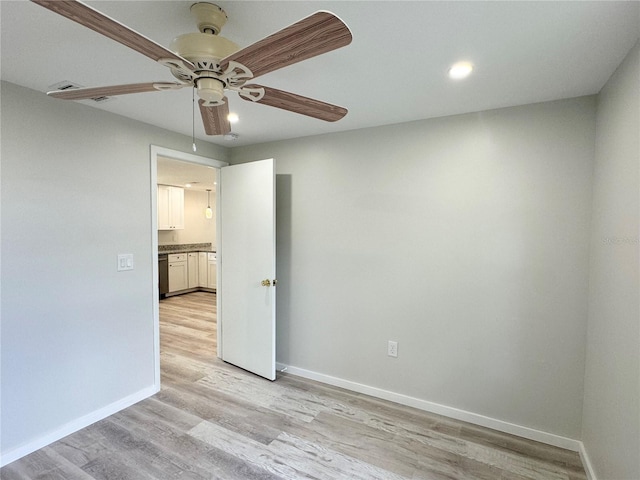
(94, 92)
(215, 118)
(99, 22)
(297, 104)
(316, 34)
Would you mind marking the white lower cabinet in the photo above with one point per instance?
(178, 272)
(192, 268)
(203, 268)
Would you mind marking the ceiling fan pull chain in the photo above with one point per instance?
(193, 118)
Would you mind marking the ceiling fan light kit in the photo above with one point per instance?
(213, 65)
(211, 90)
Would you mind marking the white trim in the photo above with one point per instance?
(155, 289)
(219, 256)
(586, 462)
(75, 425)
(451, 412)
(185, 157)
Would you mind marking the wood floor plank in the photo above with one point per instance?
(290, 457)
(503, 441)
(214, 421)
(372, 446)
(46, 463)
(236, 417)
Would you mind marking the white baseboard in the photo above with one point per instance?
(451, 412)
(586, 463)
(75, 425)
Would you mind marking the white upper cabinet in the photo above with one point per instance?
(170, 208)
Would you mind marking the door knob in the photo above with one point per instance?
(266, 283)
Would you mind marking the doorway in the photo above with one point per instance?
(166, 157)
(246, 277)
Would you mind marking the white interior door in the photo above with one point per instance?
(247, 261)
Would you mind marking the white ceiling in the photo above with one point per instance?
(393, 72)
(179, 174)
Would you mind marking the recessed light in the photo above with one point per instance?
(232, 117)
(188, 185)
(460, 70)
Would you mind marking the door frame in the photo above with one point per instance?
(155, 152)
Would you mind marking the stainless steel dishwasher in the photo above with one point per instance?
(163, 274)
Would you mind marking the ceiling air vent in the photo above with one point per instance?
(101, 99)
(64, 85)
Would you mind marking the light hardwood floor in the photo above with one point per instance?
(215, 421)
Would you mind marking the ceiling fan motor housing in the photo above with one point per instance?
(205, 51)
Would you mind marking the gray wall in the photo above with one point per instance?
(76, 335)
(463, 238)
(611, 431)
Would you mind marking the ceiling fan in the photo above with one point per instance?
(213, 64)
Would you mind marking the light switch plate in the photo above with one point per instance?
(125, 261)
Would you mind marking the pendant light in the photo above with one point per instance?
(208, 213)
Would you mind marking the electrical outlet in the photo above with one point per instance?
(392, 349)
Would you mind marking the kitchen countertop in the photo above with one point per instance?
(185, 248)
(190, 250)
